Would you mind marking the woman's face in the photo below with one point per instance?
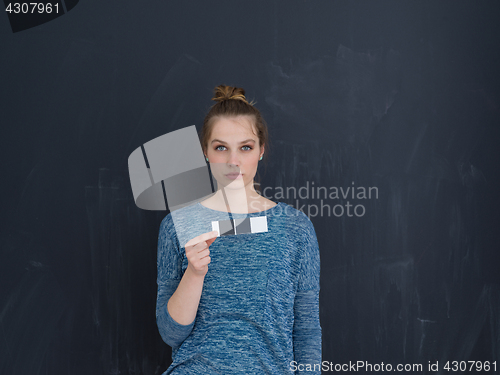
(234, 147)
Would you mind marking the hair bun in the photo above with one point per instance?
(223, 92)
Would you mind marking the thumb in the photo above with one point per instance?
(210, 241)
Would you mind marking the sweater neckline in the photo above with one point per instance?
(250, 213)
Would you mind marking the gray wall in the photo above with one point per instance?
(401, 96)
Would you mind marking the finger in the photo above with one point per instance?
(195, 253)
(211, 241)
(202, 237)
(204, 255)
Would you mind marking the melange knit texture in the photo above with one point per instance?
(259, 307)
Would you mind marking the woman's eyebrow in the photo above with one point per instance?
(245, 141)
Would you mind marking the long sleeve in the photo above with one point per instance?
(169, 276)
(307, 328)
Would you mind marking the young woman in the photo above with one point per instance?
(245, 303)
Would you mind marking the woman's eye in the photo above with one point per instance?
(248, 148)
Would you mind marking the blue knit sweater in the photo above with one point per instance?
(259, 307)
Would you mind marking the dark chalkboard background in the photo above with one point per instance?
(401, 96)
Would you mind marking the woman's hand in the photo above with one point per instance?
(198, 254)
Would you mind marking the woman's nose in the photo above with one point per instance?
(234, 159)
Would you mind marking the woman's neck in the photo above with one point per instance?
(236, 200)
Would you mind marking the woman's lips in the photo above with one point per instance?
(234, 176)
